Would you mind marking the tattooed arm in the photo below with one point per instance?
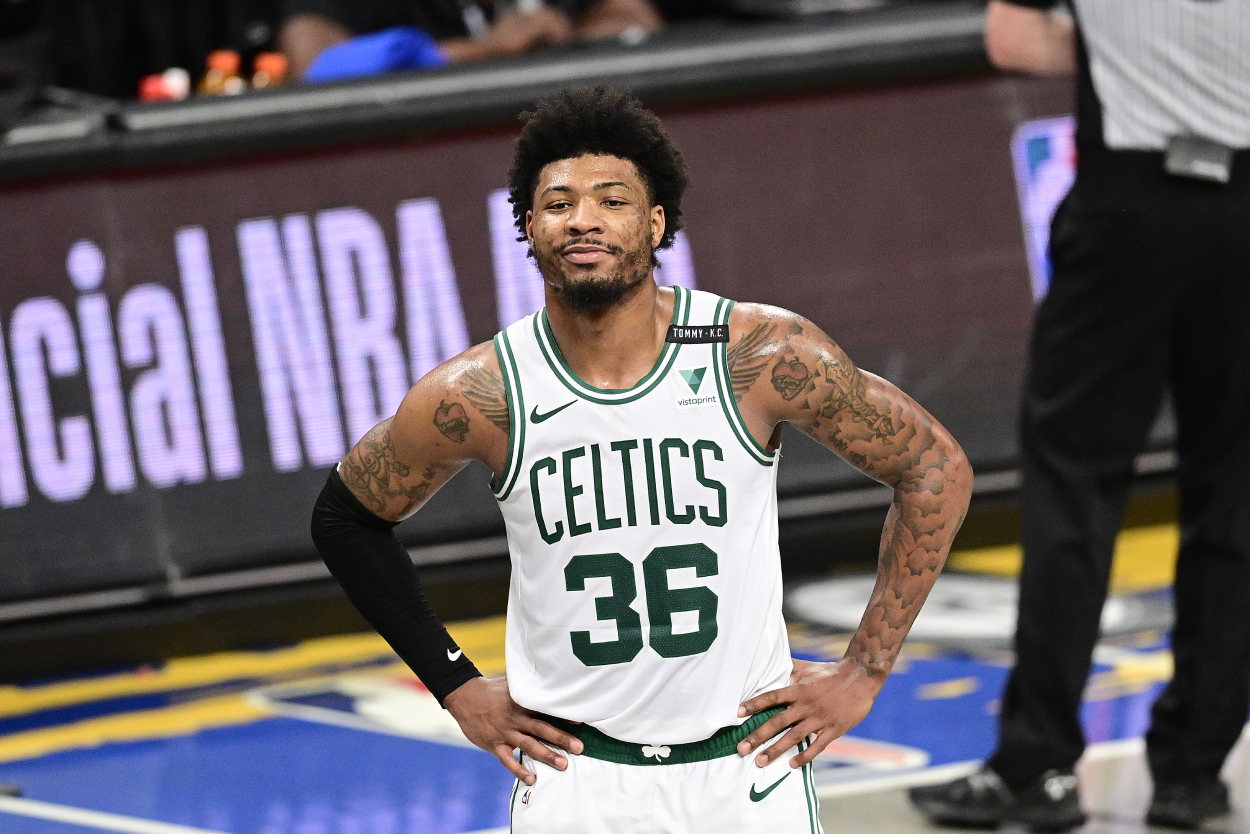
(783, 368)
(456, 413)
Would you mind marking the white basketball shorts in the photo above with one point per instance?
(701, 788)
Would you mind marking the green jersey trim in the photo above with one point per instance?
(516, 415)
(723, 742)
(611, 396)
(728, 403)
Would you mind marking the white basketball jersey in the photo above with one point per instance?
(642, 523)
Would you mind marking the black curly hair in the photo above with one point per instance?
(598, 120)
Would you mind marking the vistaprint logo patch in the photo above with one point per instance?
(688, 389)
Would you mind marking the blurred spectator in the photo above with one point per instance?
(466, 30)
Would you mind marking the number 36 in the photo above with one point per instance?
(662, 603)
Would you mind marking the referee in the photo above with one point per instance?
(1150, 291)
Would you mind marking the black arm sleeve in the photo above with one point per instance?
(366, 557)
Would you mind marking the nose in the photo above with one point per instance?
(584, 218)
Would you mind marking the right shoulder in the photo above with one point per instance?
(466, 394)
(456, 413)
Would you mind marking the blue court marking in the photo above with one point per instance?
(949, 729)
(279, 776)
(964, 727)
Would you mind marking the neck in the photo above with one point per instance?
(615, 347)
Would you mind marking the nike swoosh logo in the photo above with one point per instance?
(456, 656)
(536, 418)
(756, 797)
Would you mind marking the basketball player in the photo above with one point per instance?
(633, 434)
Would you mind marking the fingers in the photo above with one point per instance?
(762, 702)
(540, 752)
(553, 735)
(504, 753)
(817, 747)
(764, 732)
(778, 748)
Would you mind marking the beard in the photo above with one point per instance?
(594, 293)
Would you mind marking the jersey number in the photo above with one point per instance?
(662, 603)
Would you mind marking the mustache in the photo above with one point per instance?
(588, 241)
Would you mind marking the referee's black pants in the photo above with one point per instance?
(1151, 290)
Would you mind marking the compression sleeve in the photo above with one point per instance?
(365, 556)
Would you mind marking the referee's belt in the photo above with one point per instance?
(722, 743)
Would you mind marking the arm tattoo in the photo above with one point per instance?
(374, 476)
(452, 421)
(846, 395)
(484, 390)
(885, 435)
(905, 450)
(746, 360)
(791, 378)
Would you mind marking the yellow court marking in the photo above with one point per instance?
(481, 640)
(1145, 559)
(943, 690)
(181, 673)
(165, 722)
(1131, 675)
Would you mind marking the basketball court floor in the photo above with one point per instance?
(334, 736)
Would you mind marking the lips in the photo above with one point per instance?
(579, 255)
(587, 251)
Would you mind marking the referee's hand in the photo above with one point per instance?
(824, 700)
(494, 722)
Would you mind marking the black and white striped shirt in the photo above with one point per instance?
(1166, 68)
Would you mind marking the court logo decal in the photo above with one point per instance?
(381, 703)
(965, 611)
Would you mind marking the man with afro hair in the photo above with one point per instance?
(633, 433)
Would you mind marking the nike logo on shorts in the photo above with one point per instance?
(456, 656)
(537, 418)
(757, 796)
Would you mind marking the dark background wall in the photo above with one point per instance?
(886, 214)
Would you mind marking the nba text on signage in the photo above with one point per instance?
(117, 392)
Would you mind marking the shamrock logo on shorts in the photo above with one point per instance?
(658, 751)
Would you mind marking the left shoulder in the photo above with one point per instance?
(783, 367)
(765, 323)
(792, 347)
